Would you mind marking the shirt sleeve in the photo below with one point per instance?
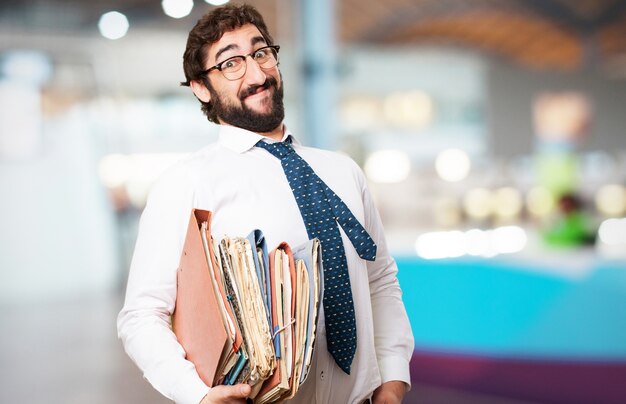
(144, 323)
(393, 337)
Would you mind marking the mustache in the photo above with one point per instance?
(269, 82)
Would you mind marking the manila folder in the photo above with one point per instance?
(197, 321)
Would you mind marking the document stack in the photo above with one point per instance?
(244, 315)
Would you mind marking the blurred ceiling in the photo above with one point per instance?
(560, 35)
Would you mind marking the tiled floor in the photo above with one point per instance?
(68, 353)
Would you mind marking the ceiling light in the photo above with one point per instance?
(177, 8)
(113, 25)
(217, 2)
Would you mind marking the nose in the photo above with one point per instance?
(254, 74)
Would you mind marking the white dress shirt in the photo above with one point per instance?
(246, 189)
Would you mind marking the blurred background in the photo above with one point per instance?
(492, 132)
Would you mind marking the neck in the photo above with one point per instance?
(276, 134)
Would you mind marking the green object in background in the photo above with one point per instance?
(557, 171)
(570, 230)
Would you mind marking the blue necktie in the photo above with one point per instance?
(323, 211)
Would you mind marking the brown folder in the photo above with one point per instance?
(197, 321)
(210, 330)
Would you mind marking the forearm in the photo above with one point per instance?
(391, 392)
(144, 322)
(392, 331)
(153, 347)
(393, 337)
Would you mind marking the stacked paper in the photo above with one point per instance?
(245, 316)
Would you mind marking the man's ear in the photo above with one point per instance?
(200, 90)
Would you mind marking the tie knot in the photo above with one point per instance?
(278, 149)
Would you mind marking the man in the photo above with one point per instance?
(231, 64)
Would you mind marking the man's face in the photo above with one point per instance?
(253, 102)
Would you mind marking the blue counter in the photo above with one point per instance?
(476, 312)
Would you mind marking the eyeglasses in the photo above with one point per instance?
(234, 67)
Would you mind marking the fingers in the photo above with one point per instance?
(227, 394)
(242, 389)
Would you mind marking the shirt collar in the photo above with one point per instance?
(241, 140)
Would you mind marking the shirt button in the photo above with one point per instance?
(322, 375)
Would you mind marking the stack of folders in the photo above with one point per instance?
(245, 316)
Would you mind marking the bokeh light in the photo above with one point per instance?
(453, 165)
(539, 201)
(437, 245)
(177, 8)
(113, 25)
(413, 109)
(361, 113)
(507, 202)
(30, 67)
(613, 231)
(388, 166)
(476, 242)
(509, 239)
(447, 212)
(114, 170)
(611, 200)
(135, 173)
(478, 203)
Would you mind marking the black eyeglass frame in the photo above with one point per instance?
(218, 66)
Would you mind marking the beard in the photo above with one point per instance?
(243, 117)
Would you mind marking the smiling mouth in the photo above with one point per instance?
(252, 91)
(259, 91)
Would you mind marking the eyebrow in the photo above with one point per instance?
(253, 41)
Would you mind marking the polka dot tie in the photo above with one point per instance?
(323, 211)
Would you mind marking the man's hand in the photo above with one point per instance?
(227, 394)
(389, 393)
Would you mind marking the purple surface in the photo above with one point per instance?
(540, 380)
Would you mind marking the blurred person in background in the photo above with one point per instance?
(231, 64)
(571, 227)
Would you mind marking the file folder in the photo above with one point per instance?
(245, 316)
(197, 321)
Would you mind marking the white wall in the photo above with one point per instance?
(58, 237)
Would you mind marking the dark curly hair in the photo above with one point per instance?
(208, 30)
